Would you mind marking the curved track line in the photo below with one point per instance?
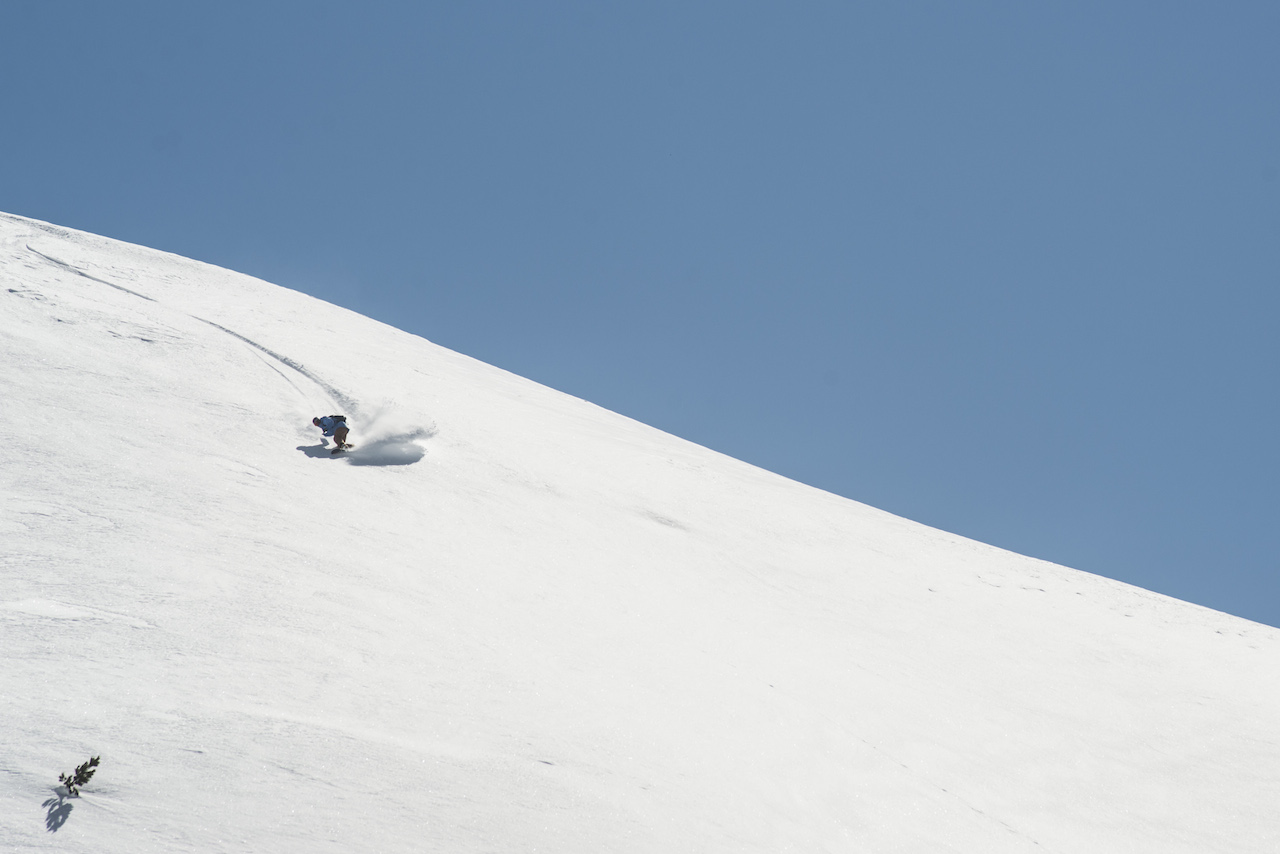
(338, 397)
(65, 266)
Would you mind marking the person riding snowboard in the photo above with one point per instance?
(335, 426)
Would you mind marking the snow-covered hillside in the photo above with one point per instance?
(511, 621)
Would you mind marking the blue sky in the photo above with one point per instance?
(1010, 269)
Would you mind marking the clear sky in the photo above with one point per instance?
(1010, 269)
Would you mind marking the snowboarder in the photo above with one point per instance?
(335, 426)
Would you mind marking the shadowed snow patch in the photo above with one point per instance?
(391, 451)
(386, 437)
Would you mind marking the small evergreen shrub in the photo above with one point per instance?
(73, 782)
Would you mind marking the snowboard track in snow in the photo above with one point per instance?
(338, 397)
(70, 269)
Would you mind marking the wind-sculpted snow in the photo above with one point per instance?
(509, 620)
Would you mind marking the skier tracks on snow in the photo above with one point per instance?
(65, 266)
(338, 397)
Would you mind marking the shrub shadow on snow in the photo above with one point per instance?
(57, 811)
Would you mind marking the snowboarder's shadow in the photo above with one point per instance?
(318, 452)
(57, 813)
(389, 451)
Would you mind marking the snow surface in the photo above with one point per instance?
(512, 621)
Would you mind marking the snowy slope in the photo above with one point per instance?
(513, 621)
